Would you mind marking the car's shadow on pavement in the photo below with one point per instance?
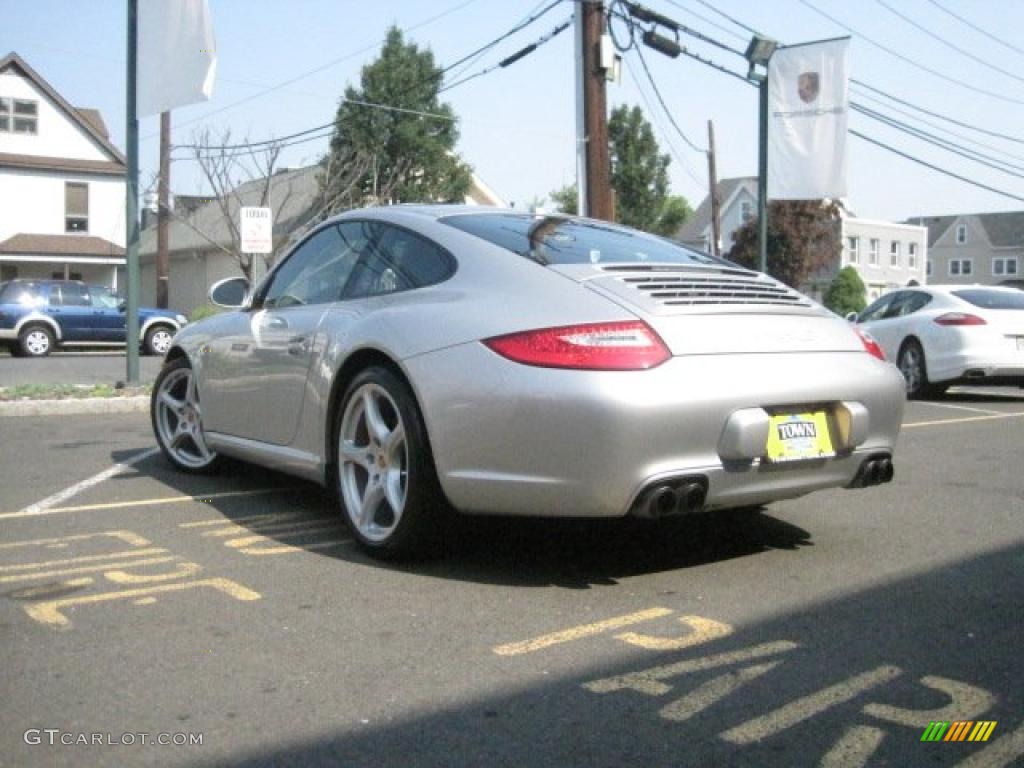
(524, 552)
(1005, 395)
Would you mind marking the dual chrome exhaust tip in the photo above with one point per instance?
(875, 470)
(680, 496)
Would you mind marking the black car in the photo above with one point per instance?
(37, 315)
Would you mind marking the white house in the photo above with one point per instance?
(62, 184)
(985, 248)
(885, 254)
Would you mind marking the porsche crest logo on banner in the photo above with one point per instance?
(808, 108)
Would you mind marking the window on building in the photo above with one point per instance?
(873, 252)
(1004, 266)
(5, 115)
(76, 207)
(961, 234)
(928, 268)
(912, 255)
(746, 210)
(961, 267)
(853, 250)
(894, 253)
(25, 116)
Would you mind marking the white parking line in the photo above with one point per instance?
(939, 422)
(89, 482)
(960, 407)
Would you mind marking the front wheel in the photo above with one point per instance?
(387, 482)
(177, 419)
(158, 340)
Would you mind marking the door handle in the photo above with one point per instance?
(297, 345)
(276, 324)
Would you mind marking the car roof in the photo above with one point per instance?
(947, 289)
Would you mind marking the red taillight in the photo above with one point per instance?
(871, 346)
(959, 318)
(625, 346)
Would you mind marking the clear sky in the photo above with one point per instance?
(517, 124)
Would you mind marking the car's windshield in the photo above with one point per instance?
(564, 240)
(989, 299)
(102, 298)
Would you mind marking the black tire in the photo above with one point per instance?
(152, 344)
(35, 341)
(912, 365)
(424, 519)
(179, 458)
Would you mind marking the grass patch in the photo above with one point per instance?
(68, 391)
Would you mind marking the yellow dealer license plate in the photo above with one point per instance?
(798, 437)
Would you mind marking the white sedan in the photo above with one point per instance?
(941, 335)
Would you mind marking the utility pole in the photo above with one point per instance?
(132, 201)
(595, 113)
(762, 176)
(581, 124)
(716, 213)
(163, 211)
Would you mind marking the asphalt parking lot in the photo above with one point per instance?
(90, 367)
(829, 630)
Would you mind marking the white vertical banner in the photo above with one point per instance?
(177, 57)
(808, 110)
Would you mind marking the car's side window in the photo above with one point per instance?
(393, 259)
(102, 298)
(895, 309)
(55, 300)
(72, 295)
(316, 272)
(916, 301)
(876, 310)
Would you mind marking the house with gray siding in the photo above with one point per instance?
(975, 248)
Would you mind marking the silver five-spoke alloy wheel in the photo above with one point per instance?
(373, 454)
(178, 419)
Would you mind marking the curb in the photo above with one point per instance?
(72, 406)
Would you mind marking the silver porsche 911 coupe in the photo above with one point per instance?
(430, 359)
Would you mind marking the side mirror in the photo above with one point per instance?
(852, 317)
(232, 293)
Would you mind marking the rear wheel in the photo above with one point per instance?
(177, 419)
(912, 365)
(36, 341)
(387, 482)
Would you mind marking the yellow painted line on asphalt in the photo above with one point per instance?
(128, 537)
(939, 422)
(954, 407)
(105, 566)
(576, 633)
(84, 559)
(150, 502)
(266, 517)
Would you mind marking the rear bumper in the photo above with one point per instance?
(513, 439)
(977, 368)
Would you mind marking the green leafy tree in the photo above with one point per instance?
(803, 237)
(639, 177)
(409, 155)
(566, 199)
(846, 292)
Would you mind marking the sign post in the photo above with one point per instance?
(256, 227)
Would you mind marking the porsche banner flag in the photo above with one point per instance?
(808, 108)
(177, 55)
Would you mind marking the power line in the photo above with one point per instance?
(938, 141)
(908, 60)
(975, 27)
(284, 141)
(938, 115)
(284, 83)
(946, 42)
(937, 126)
(708, 21)
(667, 139)
(668, 113)
(943, 171)
(726, 16)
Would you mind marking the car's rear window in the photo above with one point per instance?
(564, 240)
(988, 299)
(19, 293)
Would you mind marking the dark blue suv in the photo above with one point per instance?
(37, 315)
